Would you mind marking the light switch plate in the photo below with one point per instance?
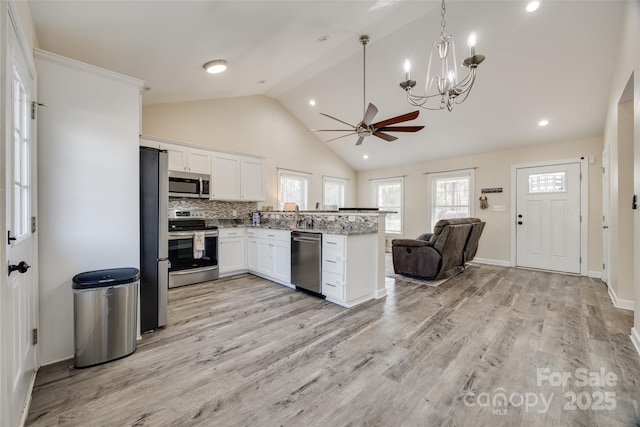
(499, 208)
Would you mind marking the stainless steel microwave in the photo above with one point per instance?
(191, 185)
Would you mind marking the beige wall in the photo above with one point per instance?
(256, 125)
(627, 67)
(494, 170)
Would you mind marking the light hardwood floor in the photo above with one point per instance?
(245, 351)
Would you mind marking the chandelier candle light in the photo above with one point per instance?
(446, 86)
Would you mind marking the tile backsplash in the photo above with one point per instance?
(215, 209)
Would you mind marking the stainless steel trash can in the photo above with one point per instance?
(105, 304)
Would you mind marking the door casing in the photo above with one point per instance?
(584, 205)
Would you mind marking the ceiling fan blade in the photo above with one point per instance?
(360, 140)
(385, 136)
(371, 112)
(400, 128)
(330, 130)
(403, 118)
(333, 139)
(331, 117)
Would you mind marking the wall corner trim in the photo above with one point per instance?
(620, 303)
(635, 339)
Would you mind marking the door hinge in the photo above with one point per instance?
(603, 170)
(34, 336)
(33, 224)
(34, 106)
(603, 266)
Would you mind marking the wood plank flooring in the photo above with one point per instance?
(243, 351)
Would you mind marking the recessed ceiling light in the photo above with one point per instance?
(365, 156)
(543, 122)
(322, 39)
(532, 6)
(312, 102)
(216, 66)
(261, 82)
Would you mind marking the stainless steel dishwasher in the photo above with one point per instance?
(306, 261)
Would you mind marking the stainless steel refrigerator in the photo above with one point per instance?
(154, 239)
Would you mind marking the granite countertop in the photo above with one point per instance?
(346, 231)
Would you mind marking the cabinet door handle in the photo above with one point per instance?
(331, 261)
(329, 284)
(331, 243)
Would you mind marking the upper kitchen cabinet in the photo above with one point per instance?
(187, 159)
(236, 177)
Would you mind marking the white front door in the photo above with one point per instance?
(19, 296)
(548, 217)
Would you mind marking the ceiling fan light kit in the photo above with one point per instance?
(446, 87)
(365, 128)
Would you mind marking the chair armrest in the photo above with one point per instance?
(411, 243)
(425, 236)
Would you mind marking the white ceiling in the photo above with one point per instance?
(555, 63)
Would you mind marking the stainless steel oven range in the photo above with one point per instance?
(188, 265)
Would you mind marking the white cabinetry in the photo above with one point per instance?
(231, 251)
(269, 254)
(225, 177)
(351, 282)
(187, 159)
(237, 178)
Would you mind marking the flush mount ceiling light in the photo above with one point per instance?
(543, 122)
(312, 102)
(216, 66)
(446, 87)
(532, 6)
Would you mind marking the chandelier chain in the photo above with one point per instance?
(443, 23)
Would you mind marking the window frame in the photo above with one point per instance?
(284, 173)
(341, 181)
(374, 197)
(433, 178)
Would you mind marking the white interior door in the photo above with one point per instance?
(20, 294)
(548, 217)
(605, 215)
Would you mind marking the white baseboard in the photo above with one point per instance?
(380, 293)
(595, 274)
(488, 261)
(51, 362)
(635, 339)
(620, 303)
(27, 404)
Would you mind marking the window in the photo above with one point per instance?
(333, 191)
(548, 183)
(293, 187)
(21, 161)
(388, 196)
(451, 195)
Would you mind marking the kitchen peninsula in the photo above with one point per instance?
(352, 250)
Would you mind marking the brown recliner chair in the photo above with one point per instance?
(442, 253)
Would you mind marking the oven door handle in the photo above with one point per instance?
(189, 234)
(193, 270)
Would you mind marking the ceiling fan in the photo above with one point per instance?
(365, 127)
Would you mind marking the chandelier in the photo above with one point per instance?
(446, 87)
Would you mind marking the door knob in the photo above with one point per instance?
(22, 267)
(519, 222)
(605, 227)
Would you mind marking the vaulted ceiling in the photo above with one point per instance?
(554, 64)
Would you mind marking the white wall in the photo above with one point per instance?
(494, 170)
(627, 65)
(256, 125)
(88, 186)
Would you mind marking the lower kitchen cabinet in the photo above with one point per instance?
(269, 254)
(351, 282)
(231, 251)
